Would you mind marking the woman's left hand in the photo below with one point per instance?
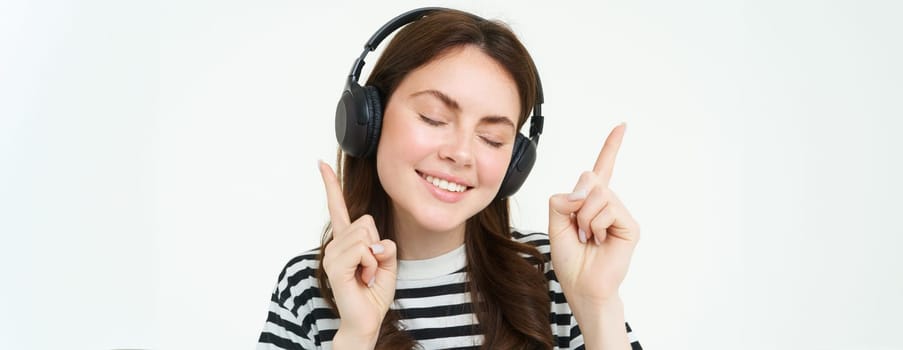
(592, 235)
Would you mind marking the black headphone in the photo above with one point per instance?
(358, 116)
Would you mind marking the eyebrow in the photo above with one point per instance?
(453, 105)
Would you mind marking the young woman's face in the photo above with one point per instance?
(447, 136)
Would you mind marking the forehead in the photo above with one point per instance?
(479, 84)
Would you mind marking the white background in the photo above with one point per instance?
(157, 161)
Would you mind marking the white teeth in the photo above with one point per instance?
(445, 185)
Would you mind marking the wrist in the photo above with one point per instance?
(348, 340)
(602, 323)
(591, 311)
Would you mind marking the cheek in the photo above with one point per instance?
(402, 143)
(493, 166)
(405, 140)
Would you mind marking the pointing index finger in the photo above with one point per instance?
(338, 212)
(605, 163)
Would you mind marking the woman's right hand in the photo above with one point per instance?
(362, 269)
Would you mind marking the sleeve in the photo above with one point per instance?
(290, 322)
(576, 338)
(283, 330)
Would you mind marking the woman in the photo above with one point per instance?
(419, 251)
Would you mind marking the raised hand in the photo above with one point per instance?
(362, 269)
(592, 235)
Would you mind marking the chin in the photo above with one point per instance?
(441, 219)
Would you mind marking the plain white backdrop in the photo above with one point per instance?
(157, 161)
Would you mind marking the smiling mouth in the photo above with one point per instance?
(444, 184)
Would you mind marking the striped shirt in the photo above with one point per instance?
(431, 296)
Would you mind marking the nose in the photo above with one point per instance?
(458, 148)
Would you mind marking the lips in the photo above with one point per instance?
(445, 183)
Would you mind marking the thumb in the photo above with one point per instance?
(561, 206)
(388, 262)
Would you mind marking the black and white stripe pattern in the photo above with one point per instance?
(435, 310)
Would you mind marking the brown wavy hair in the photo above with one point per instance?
(514, 304)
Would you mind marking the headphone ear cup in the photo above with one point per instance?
(358, 120)
(522, 159)
(375, 124)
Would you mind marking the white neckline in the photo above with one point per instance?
(433, 267)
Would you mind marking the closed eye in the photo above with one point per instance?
(431, 121)
(492, 143)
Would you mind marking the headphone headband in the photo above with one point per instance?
(384, 31)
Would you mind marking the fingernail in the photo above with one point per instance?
(581, 235)
(596, 238)
(377, 248)
(577, 195)
(370, 284)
